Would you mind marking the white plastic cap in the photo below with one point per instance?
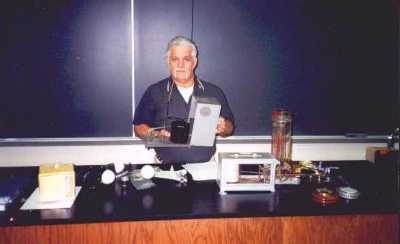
(147, 172)
(107, 177)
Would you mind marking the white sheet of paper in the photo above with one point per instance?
(202, 171)
(33, 201)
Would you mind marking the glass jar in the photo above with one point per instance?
(281, 146)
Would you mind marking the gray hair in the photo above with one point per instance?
(181, 41)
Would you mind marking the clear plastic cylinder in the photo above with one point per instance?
(281, 146)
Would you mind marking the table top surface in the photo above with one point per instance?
(167, 200)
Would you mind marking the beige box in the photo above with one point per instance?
(56, 182)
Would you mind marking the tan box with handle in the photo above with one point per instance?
(56, 182)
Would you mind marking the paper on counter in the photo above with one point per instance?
(33, 201)
(202, 171)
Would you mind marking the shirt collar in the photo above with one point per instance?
(198, 85)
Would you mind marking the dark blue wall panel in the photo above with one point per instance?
(333, 64)
(65, 68)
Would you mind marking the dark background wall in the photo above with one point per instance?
(333, 64)
(65, 66)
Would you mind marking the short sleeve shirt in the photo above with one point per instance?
(162, 103)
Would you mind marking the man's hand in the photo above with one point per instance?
(224, 127)
(160, 133)
(144, 130)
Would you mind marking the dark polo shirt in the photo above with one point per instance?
(162, 103)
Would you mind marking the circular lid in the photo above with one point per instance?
(324, 196)
(348, 192)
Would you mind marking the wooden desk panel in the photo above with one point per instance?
(337, 229)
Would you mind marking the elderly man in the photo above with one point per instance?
(169, 99)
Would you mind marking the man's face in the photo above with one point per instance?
(181, 64)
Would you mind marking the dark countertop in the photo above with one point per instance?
(202, 200)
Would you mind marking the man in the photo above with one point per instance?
(169, 100)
